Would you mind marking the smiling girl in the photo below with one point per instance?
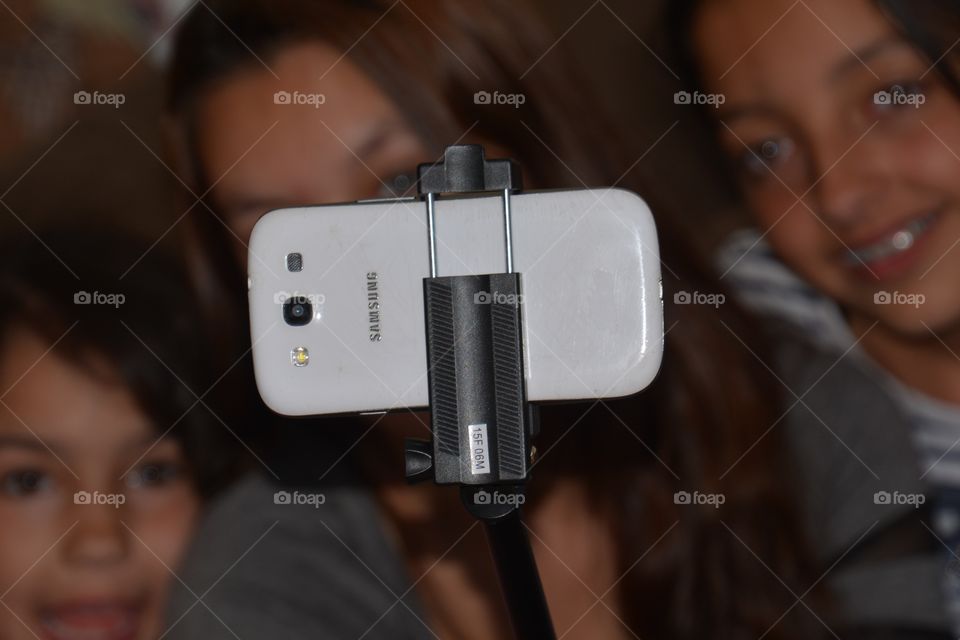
(101, 474)
(842, 123)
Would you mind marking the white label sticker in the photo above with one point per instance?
(479, 445)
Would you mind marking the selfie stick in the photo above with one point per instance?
(480, 419)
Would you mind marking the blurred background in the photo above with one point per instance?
(109, 161)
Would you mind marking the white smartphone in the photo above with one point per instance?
(336, 296)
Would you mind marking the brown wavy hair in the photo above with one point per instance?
(711, 402)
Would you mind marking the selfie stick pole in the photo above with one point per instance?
(481, 422)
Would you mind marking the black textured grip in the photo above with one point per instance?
(508, 384)
(441, 339)
(475, 360)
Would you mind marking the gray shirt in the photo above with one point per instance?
(264, 568)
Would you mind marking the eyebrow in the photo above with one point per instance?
(378, 138)
(43, 446)
(854, 60)
(254, 203)
(759, 109)
(31, 443)
(150, 440)
(368, 147)
(862, 56)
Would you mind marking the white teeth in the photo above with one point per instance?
(902, 240)
(897, 243)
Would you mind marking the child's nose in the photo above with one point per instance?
(99, 536)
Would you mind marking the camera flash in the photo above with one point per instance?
(300, 357)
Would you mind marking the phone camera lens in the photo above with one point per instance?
(297, 311)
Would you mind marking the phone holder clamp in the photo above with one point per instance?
(481, 422)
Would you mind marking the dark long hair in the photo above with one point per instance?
(711, 402)
(150, 340)
(932, 26)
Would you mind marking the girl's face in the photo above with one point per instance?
(311, 129)
(94, 515)
(848, 148)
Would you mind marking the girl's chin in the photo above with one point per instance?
(918, 320)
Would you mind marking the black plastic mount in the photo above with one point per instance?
(476, 380)
(481, 422)
(465, 169)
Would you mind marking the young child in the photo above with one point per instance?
(106, 453)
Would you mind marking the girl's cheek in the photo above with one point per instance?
(25, 520)
(166, 523)
(770, 210)
(931, 157)
(29, 536)
(789, 225)
(924, 144)
(797, 238)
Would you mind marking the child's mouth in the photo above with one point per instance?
(894, 251)
(91, 621)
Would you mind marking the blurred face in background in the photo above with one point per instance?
(320, 131)
(847, 146)
(323, 132)
(96, 512)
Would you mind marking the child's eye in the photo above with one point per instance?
(396, 185)
(24, 482)
(153, 474)
(764, 157)
(897, 97)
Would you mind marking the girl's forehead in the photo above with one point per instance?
(738, 37)
(50, 398)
